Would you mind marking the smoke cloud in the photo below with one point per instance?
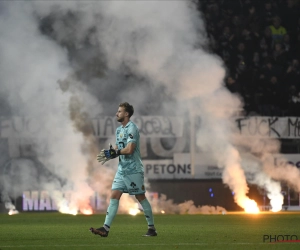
(66, 62)
(33, 66)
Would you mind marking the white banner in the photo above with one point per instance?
(273, 127)
(205, 166)
(160, 126)
(283, 159)
(166, 169)
(149, 126)
(180, 168)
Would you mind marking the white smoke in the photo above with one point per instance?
(167, 49)
(33, 65)
(162, 42)
(165, 205)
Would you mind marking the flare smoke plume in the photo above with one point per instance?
(64, 62)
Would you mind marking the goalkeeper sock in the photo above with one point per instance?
(148, 213)
(106, 227)
(111, 212)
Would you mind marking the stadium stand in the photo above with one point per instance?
(259, 42)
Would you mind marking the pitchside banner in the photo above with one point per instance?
(42, 201)
(205, 167)
(180, 168)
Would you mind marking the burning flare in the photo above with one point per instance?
(86, 211)
(11, 207)
(13, 211)
(67, 210)
(134, 211)
(250, 206)
(276, 203)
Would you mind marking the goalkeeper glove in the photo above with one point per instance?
(101, 157)
(111, 152)
(107, 154)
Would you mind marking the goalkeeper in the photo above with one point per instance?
(130, 175)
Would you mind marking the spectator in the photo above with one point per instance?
(268, 71)
(210, 25)
(279, 56)
(256, 63)
(287, 46)
(243, 74)
(226, 38)
(290, 15)
(250, 40)
(297, 46)
(292, 76)
(266, 43)
(280, 105)
(298, 27)
(214, 9)
(252, 20)
(271, 96)
(228, 15)
(259, 42)
(242, 55)
(226, 43)
(294, 101)
(277, 30)
(267, 14)
(237, 26)
(233, 85)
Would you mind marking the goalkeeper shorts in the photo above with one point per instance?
(132, 184)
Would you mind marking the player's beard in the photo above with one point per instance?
(120, 119)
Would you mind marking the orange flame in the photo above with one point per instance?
(133, 211)
(86, 211)
(251, 207)
(67, 210)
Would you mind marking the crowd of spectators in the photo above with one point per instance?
(259, 42)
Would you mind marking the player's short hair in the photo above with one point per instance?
(128, 108)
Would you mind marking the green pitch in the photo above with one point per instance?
(230, 231)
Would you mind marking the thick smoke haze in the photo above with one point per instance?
(64, 62)
(33, 66)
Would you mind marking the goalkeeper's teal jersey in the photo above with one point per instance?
(129, 164)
